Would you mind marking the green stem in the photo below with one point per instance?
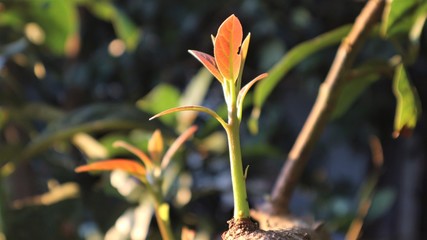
(163, 220)
(241, 206)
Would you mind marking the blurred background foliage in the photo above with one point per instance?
(77, 75)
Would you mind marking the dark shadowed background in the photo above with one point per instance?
(76, 75)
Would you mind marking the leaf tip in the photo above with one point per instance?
(405, 132)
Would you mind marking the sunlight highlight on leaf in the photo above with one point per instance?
(164, 211)
(89, 146)
(226, 50)
(213, 40)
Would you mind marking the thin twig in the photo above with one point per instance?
(368, 190)
(322, 109)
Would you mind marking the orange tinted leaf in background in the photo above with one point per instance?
(140, 154)
(126, 165)
(176, 144)
(209, 62)
(226, 49)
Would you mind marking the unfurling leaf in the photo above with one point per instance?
(408, 108)
(213, 40)
(243, 53)
(245, 47)
(209, 62)
(226, 50)
(244, 91)
(126, 165)
(155, 146)
(192, 108)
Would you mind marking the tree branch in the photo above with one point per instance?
(322, 109)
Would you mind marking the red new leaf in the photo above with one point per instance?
(126, 165)
(226, 49)
(208, 61)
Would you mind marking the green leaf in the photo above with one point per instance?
(399, 16)
(126, 30)
(58, 19)
(90, 119)
(408, 107)
(3, 117)
(11, 18)
(7, 153)
(104, 10)
(381, 203)
(163, 96)
(194, 94)
(358, 80)
(350, 92)
(40, 111)
(295, 56)
(415, 35)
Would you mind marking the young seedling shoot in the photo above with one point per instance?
(227, 67)
(149, 171)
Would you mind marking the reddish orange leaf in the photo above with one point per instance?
(208, 61)
(127, 165)
(176, 144)
(226, 49)
(140, 154)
